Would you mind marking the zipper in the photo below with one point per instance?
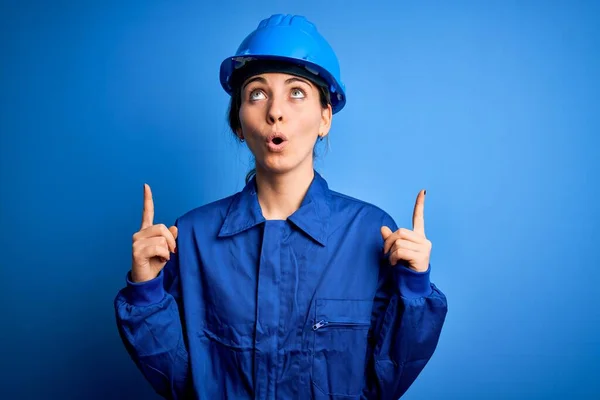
(322, 323)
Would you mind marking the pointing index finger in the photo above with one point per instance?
(418, 217)
(148, 213)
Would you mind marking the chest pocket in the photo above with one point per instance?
(340, 331)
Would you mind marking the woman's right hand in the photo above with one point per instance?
(152, 244)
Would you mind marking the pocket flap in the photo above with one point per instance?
(344, 310)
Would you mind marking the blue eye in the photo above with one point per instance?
(255, 95)
(297, 93)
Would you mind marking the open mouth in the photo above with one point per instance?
(276, 138)
(276, 142)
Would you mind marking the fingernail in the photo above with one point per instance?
(425, 192)
(175, 250)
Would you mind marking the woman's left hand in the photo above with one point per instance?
(409, 246)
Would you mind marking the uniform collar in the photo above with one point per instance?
(312, 217)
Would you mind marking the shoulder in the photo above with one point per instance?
(347, 207)
(214, 212)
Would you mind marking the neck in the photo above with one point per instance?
(280, 195)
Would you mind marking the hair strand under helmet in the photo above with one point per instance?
(289, 39)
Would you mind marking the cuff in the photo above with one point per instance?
(144, 293)
(413, 284)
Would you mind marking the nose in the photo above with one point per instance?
(275, 112)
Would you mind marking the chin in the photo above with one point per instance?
(280, 165)
(277, 168)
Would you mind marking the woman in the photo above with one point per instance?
(286, 289)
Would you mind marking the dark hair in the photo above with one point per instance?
(236, 103)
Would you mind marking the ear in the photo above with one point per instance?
(326, 116)
(239, 133)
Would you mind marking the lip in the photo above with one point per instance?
(276, 135)
(276, 148)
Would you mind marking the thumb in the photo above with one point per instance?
(385, 232)
(174, 231)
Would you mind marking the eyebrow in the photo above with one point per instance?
(287, 81)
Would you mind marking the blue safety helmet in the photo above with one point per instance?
(289, 39)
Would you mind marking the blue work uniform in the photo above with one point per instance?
(303, 308)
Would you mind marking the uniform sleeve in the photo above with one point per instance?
(408, 315)
(150, 325)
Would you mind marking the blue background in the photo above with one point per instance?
(492, 106)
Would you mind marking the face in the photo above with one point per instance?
(281, 119)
